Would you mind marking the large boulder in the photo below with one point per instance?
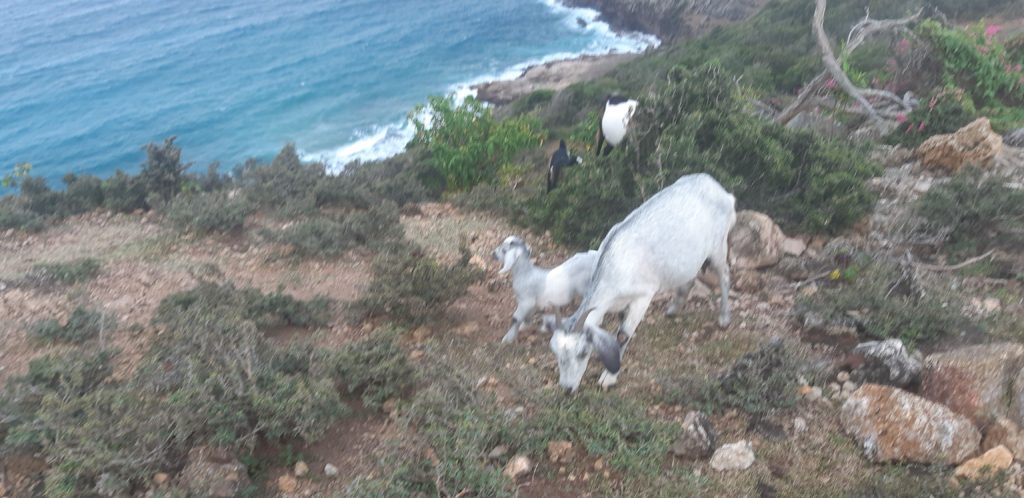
(214, 473)
(975, 144)
(755, 241)
(893, 425)
(973, 381)
(1004, 432)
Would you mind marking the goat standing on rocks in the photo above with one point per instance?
(661, 245)
(614, 122)
(537, 287)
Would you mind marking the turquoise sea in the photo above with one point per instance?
(84, 85)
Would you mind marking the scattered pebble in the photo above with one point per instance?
(330, 470)
(301, 469)
(799, 425)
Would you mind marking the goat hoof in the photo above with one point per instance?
(723, 322)
(508, 339)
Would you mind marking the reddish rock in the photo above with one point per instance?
(893, 425)
(755, 241)
(992, 461)
(975, 144)
(560, 451)
(973, 381)
(1004, 432)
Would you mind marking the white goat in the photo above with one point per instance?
(661, 245)
(537, 287)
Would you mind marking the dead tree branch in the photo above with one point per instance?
(854, 39)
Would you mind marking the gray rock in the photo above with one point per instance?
(755, 242)
(1015, 138)
(974, 381)
(330, 470)
(735, 456)
(698, 438)
(888, 362)
(893, 425)
(817, 329)
(498, 452)
(213, 473)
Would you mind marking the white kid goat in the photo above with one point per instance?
(661, 245)
(541, 288)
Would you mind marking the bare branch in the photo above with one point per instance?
(832, 65)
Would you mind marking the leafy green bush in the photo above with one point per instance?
(82, 325)
(124, 193)
(376, 368)
(401, 179)
(206, 213)
(883, 298)
(64, 273)
(466, 144)
(411, 288)
(16, 218)
(697, 122)
(975, 60)
(163, 174)
(947, 111)
(972, 213)
(82, 194)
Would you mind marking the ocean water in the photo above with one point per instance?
(85, 85)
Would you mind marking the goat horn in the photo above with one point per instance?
(578, 326)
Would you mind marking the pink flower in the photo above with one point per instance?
(901, 118)
(903, 46)
(921, 127)
(830, 84)
(992, 30)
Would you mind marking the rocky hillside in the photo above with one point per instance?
(671, 20)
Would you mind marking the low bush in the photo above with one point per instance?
(467, 145)
(206, 213)
(884, 298)
(375, 368)
(947, 111)
(286, 187)
(323, 236)
(64, 273)
(760, 383)
(124, 193)
(972, 213)
(162, 174)
(13, 217)
(401, 179)
(82, 325)
(411, 288)
(211, 377)
(266, 311)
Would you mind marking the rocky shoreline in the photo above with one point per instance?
(554, 75)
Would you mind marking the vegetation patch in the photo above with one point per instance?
(64, 273)
(411, 288)
(83, 324)
(206, 213)
(375, 368)
(266, 311)
(972, 213)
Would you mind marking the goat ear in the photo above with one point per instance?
(510, 259)
(607, 348)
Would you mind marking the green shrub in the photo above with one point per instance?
(947, 111)
(82, 194)
(325, 237)
(206, 213)
(977, 62)
(376, 368)
(286, 187)
(401, 179)
(887, 299)
(64, 273)
(528, 102)
(267, 311)
(82, 325)
(124, 193)
(163, 174)
(16, 218)
(972, 213)
(411, 288)
(467, 145)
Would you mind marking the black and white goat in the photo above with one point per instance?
(541, 288)
(661, 245)
(560, 159)
(614, 122)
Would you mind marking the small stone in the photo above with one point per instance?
(799, 425)
(849, 387)
(599, 464)
(793, 246)
(736, 456)
(992, 461)
(287, 484)
(330, 470)
(389, 406)
(498, 452)
(697, 439)
(421, 334)
(843, 376)
(416, 354)
(560, 451)
(991, 305)
(301, 469)
(814, 394)
(160, 478)
(517, 467)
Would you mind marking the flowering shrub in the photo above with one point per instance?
(976, 61)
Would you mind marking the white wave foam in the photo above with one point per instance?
(383, 142)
